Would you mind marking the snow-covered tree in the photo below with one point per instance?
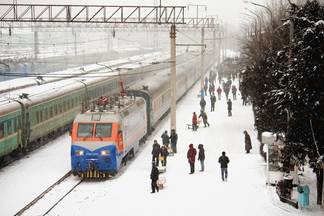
(286, 85)
(305, 85)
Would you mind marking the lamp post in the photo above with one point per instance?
(260, 21)
(260, 26)
(271, 18)
(255, 21)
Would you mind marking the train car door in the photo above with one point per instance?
(25, 126)
(120, 142)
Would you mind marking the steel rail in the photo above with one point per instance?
(39, 197)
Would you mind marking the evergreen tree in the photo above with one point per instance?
(288, 91)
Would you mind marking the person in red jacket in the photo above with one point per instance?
(191, 155)
(194, 122)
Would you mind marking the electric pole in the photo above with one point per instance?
(173, 77)
(202, 63)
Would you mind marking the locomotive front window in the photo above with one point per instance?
(103, 130)
(85, 130)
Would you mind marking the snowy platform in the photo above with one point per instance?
(202, 193)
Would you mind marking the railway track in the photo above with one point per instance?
(43, 194)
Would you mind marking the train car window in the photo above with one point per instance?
(85, 130)
(9, 127)
(103, 130)
(64, 106)
(60, 108)
(51, 112)
(1, 130)
(55, 109)
(68, 104)
(46, 114)
(40, 115)
(37, 116)
(19, 122)
(15, 125)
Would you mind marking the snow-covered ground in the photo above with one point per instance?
(203, 193)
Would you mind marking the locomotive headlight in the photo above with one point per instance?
(79, 152)
(104, 152)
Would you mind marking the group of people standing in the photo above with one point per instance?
(161, 153)
(191, 155)
(223, 159)
(202, 115)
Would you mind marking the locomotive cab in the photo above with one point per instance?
(102, 139)
(96, 146)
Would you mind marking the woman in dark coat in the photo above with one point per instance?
(201, 156)
(191, 155)
(229, 107)
(202, 104)
(164, 155)
(248, 145)
(156, 152)
(154, 178)
(165, 139)
(174, 140)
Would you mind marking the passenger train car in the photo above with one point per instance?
(34, 114)
(104, 137)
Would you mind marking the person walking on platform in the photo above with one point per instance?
(205, 89)
(165, 139)
(194, 121)
(202, 104)
(234, 90)
(164, 155)
(154, 178)
(206, 81)
(201, 157)
(203, 115)
(174, 140)
(219, 92)
(211, 89)
(223, 160)
(229, 107)
(248, 145)
(155, 153)
(212, 102)
(191, 155)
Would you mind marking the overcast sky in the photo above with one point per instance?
(229, 11)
